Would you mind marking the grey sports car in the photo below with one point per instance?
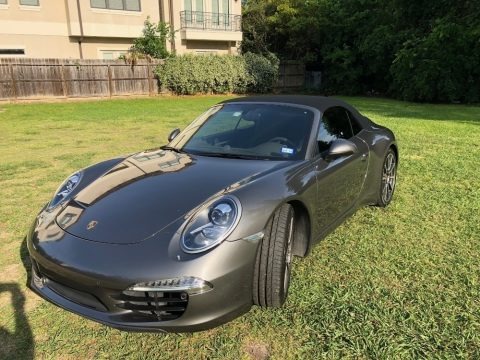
(191, 235)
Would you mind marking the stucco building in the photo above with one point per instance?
(105, 29)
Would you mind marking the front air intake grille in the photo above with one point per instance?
(162, 305)
(43, 277)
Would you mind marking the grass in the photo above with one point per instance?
(397, 283)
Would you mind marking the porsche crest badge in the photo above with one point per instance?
(92, 224)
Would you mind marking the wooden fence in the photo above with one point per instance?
(291, 76)
(40, 78)
(70, 78)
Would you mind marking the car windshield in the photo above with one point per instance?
(249, 131)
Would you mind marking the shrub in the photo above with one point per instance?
(263, 72)
(218, 74)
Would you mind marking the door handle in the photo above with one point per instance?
(364, 156)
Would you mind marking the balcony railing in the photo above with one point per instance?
(210, 21)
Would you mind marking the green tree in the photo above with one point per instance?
(153, 42)
(257, 30)
(419, 50)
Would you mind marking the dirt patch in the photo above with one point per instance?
(91, 353)
(32, 300)
(11, 273)
(41, 337)
(5, 299)
(4, 234)
(257, 350)
(14, 273)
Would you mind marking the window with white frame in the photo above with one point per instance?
(206, 52)
(112, 54)
(221, 11)
(126, 5)
(30, 2)
(194, 11)
(221, 6)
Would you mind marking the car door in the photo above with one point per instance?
(339, 181)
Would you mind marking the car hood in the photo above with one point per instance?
(146, 192)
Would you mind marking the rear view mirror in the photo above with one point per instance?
(339, 148)
(173, 134)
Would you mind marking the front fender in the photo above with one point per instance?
(261, 198)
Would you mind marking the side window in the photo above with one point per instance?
(355, 125)
(335, 125)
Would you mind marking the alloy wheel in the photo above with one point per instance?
(389, 174)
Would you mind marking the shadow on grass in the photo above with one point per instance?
(18, 344)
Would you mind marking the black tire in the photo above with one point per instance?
(271, 278)
(388, 179)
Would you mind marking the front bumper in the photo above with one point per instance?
(89, 279)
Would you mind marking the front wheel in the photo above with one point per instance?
(389, 179)
(272, 269)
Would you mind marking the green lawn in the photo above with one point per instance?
(397, 283)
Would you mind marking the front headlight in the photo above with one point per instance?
(211, 225)
(65, 190)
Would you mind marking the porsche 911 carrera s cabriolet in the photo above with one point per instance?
(191, 235)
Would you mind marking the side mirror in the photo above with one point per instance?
(173, 134)
(339, 148)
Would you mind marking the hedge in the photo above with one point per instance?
(217, 74)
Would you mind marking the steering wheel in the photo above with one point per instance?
(283, 141)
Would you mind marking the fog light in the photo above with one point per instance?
(189, 284)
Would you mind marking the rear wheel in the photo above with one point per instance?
(389, 179)
(272, 269)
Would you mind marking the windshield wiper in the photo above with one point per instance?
(231, 156)
(178, 151)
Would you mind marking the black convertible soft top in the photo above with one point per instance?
(322, 103)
